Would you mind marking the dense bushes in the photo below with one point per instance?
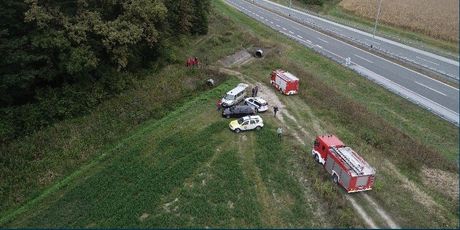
(60, 59)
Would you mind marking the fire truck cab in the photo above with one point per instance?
(346, 167)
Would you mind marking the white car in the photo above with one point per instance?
(247, 123)
(258, 103)
(234, 96)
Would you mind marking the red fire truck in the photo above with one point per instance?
(285, 82)
(347, 168)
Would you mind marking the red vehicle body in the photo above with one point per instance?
(285, 82)
(346, 167)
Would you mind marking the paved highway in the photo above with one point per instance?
(434, 95)
(436, 63)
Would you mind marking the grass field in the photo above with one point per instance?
(438, 19)
(184, 168)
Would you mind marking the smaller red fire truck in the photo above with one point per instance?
(285, 82)
(346, 167)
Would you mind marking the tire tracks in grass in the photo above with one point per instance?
(273, 99)
(269, 215)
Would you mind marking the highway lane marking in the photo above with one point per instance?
(431, 88)
(364, 51)
(423, 59)
(278, 25)
(363, 58)
(323, 40)
(276, 16)
(431, 101)
(300, 36)
(271, 22)
(291, 32)
(284, 28)
(388, 41)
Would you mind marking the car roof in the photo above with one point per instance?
(252, 117)
(239, 88)
(241, 106)
(259, 99)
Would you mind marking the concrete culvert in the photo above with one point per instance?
(259, 53)
(210, 82)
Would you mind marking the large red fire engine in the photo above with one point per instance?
(347, 168)
(285, 82)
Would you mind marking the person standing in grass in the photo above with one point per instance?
(256, 90)
(219, 105)
(279, 131)
(275, 110)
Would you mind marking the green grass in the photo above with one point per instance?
(333, 11)
(184, 168)
(31, 164)
(378, 124)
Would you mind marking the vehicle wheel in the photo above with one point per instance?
(317, 158)
(237, 130)
(335, 178)
(258, 128)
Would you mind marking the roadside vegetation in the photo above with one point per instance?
(438, 34)
(160, 155)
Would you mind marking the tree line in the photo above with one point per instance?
(55, 50)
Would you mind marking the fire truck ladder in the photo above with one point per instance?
(346, 156)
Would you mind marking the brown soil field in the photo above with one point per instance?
(435, 18)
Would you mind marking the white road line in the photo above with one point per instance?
(323, 40)
(278, 25)
(431, 88)
(423, 59)
(300, 36)
(333, 53)
(383, 78)
(443, 59)
(420, 74)
(271, 22)
(363, 58)
(291, 32)
(284, 28)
